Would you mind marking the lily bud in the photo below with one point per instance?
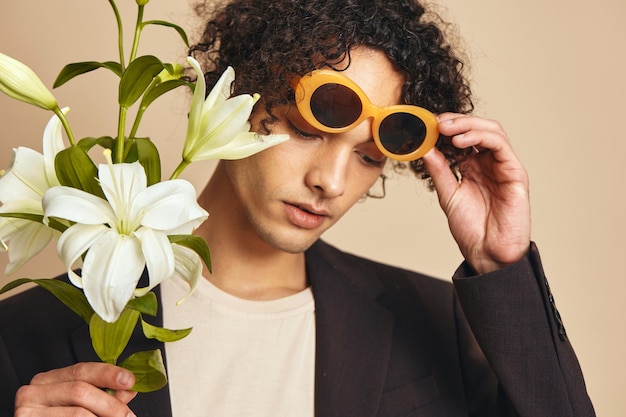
(142, 2)
(21, 83)
(166, 76)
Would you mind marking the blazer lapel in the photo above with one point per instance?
(353, 336)
(149, 404)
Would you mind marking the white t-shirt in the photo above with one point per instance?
(242, 358)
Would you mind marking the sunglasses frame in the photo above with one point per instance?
(308, 84)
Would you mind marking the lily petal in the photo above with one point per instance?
(188, 268)
(195, 112)
(242, 146)
(77, 206)
(223, 123)
(74, 242)
(26, 206)
(32, 238)
(159, 256)
(111, 271)
(25, 178)
(121, 183)
(170, 204)
(52, 145)
(222, 89)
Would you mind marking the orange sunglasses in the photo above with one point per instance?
(333, 103)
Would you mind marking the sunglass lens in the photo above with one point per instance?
(335, 105)
(402, 133)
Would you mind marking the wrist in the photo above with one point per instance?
(484, 263)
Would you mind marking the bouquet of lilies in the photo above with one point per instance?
(115, 220)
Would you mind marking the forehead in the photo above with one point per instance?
(375, 74)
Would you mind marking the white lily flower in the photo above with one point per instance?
(21, 190)
(218, 126)
(123, 234)
(20, 82)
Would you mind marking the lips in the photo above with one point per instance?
(305, 216)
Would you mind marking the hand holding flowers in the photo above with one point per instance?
(115, 219)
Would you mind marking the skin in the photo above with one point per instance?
(269, 208)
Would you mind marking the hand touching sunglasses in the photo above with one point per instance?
(333, 103)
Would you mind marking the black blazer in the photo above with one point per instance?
(390, 342)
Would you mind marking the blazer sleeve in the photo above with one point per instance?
(9, 382)
(515, 321)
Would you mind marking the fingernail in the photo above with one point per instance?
(125, 378)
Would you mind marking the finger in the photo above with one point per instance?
(83, 398)
(482, 135)
(101, 375)
(451, 124)
(52, 412)
(125, 396)
(444, 180)
(483, 141)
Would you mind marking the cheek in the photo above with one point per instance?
(265, 171)
(364, 182)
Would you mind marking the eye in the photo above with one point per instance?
(370, 155)
(299, 132)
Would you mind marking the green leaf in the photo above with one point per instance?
(159, 90)
(148, 369)
(106, 142)
(68, 294)
(146, 304)
(38, 218)
(178, 29)
(161, 334)
(195, 243)
(138, 77)
(144, 151)
(110, 339)
(73, 70)
(74, 168)
(148, 157)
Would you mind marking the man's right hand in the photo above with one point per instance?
(77, 390)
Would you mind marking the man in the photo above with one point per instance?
(286, 324)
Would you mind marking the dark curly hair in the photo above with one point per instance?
(268, 41)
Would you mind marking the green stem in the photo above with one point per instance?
(66, 125)
(179, 169)
(138, 28)
(142, 109)
(135, 127)
(119, 153)
(120, 33)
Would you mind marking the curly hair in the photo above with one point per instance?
(268, 41)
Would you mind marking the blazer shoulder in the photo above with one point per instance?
(380, 278)
(41, 317)
(344, 261)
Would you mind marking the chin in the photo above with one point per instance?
(293, 242)
(292, 246)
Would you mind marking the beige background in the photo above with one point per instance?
(551, 72)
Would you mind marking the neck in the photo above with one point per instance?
(243, 264)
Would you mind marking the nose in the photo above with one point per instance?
(328, 172)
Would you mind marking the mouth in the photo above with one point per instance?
(310, 209)
(305, 216)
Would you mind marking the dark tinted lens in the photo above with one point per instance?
(335, 105)
(402, 133)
